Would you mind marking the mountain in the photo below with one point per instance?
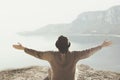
(102, 22)
(92, 22)
(84, 72)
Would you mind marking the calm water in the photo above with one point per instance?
(107, 58)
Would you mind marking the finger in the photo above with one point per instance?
(14, 46)
(107, 41)
(110, 42)
(19, 43)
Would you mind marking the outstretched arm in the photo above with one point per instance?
(87, 53)
(37, 54)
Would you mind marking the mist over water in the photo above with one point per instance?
(105, 59)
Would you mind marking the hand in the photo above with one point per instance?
(18, 46)
(106, 43)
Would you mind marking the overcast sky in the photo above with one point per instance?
(25, 15)
(22, 15)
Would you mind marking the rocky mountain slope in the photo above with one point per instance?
(92, 22)
(83, 72)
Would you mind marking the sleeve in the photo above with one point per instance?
(38, 54)
(86, 53)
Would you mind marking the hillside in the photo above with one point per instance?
(84, 72)
(92, 22)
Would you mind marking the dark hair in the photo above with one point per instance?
(62, 44)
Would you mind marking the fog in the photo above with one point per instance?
(28, 15)
(105, 59)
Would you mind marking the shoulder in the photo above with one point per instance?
(51, 52)
(74, 52)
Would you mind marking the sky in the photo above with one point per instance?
(27, 15)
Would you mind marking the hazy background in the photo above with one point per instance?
(29, 17)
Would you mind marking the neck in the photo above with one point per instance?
(63, 52)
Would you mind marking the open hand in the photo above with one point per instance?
(18, 46)
(106, 43)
